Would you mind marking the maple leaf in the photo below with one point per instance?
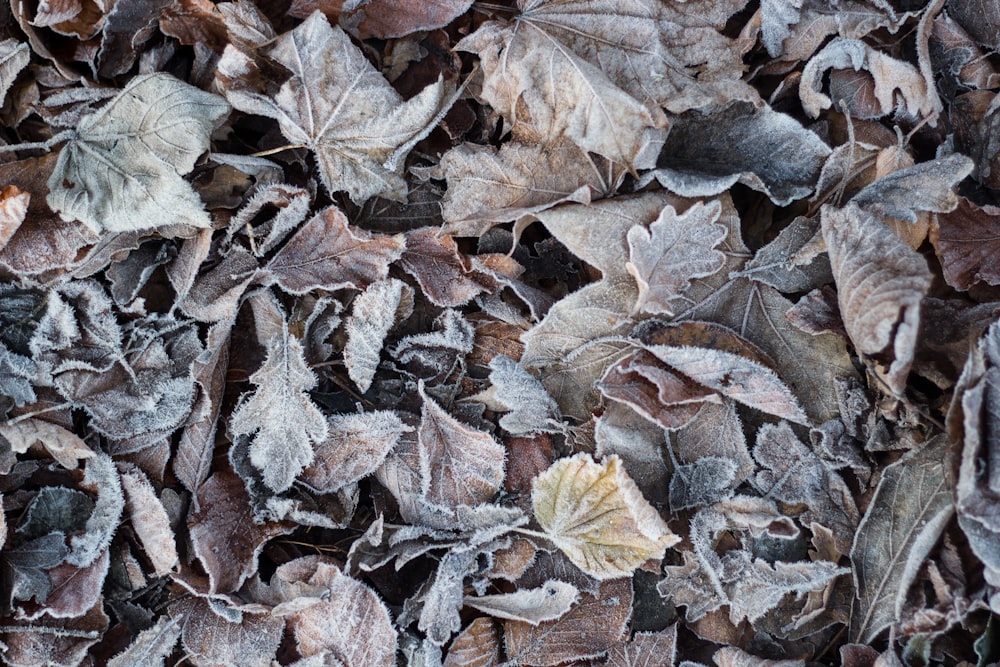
(122, 170)
(284, 422)
(597, 516)
(337, 105)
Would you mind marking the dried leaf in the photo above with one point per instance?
(529, 407)
(587, 630)
(355, 447)
(396, 18)
(26, 567)
(60, 643)
(597, 516)
(965, 241)
(123, 169)
(150, 522)
(532, 605)
(928, 186)
(284, 422)
(224, 535)
(14, 56)
(889, 74)
(458, 464)
(337, 105)
(674, 250)
(210, 640)
(74, 589)
(441, 270)
(152, 646)
(100, 478)
(646, 649)
(64, 446)
(765, 150)
(327, 253)
(373, 314)
(912, 504)
(732, 656)
(880, 283)
(478, 645)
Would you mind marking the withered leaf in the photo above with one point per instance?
(62, 642)
(27, 563)
(214, 641)
(733, 656)
(459, 465)
(440, 269)
(350, 622)
(396, 18)
(880, 283)
(152, 646)
(223, 533)
(597, 516)
(664, 258)
(336, 104)
(123, 169)
(102, 479)
(589, 629)
(61, 444)
(150, 521)
(373, 314)
(74, 589)
(279, 415)
(14, 56)
(355, 446)
(965, 241)
(531, 605)
(646, 649)
(928, 186)
(529, 407)
(761, 148)
(478, 645)
(327, 253)
(913, 502)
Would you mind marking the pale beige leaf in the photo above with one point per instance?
(532, 605)
(355, 446)
(673, 250)
(338, 105)
(597, 516)
(913, 502)
(279, 415)
(329, 254)
(123, 168)
(588, 630)
(459, 465)
(373, 314)
(732, 656)
(150, 521)
(63, 445)
(890, 76)
(880, 284)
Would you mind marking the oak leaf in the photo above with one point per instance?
(597, 516)
(123, 168)
(284, 422)
(336, 104)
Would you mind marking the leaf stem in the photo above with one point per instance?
(532, 533)
(279, 149)
(28, 415)
(65, 135)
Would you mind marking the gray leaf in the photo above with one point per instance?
(534, 605)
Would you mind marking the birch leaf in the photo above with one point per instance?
(597, 516)
(676, 248)
(478, 645)
(337, 104)
(912, 504)
(123, 169)
(284, 422)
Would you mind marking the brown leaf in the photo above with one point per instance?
(387, 19)
(966, 242)
(13, 207)
(588, 630)
(478, 645)
(880, 283)
(732, 656)
(443, 273)
(337, 105)
(459, 465)
(675, 249)
(195, 22)
(982, 21)
(327, 253)
(349, 622)
(150, 522)
(75, 590)
(64, 446)
(355, 446)
(912, 504)
(65, 642)
(646, 649)
(249, 638)
(224, 535)
(151, 646)
(597, 516)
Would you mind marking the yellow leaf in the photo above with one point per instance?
(596, 514)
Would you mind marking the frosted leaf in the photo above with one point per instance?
(101, 478)
(150, 521)
(529, 407)
(355, 447)
(533, 605)
(150, 647)
(123, 169)
(64, 446)
(597, 516)
(284, 422)
(478, 645)
(14, 56)
(373, 314)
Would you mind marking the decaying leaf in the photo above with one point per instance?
(912, 504)
(213, 641)
(529, 407)
(64, 446)
(478, 645)
(279, 415)
(150, 520)
(595, 513)
(646, 649)
(336, 104)
(123, 169)
(535, 605)
(152, 646)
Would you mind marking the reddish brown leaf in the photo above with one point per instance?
(61, 643)
(967, 243)
(223, 532)
(442, 271)
(478, 645)
(395, 18)
(250, 639)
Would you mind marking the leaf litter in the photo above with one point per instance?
(537, 332)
